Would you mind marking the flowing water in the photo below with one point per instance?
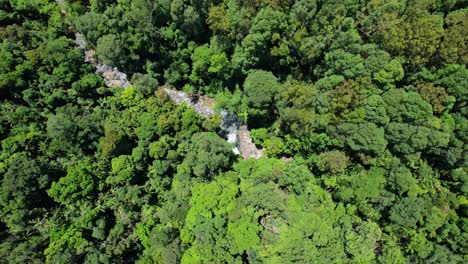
(230, 128)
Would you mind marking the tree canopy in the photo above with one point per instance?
(360, 108)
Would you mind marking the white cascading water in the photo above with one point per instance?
(230, 129)
(230, 124)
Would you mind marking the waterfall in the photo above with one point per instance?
(230, 128)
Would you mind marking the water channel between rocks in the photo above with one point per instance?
(230, 128)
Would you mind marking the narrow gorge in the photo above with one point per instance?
(231, 128)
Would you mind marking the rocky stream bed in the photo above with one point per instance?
(230, 128)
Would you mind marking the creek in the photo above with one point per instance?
(230, 128)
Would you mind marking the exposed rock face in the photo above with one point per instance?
(80, 41)
(203, 105)
(178, 97)
(235, 134)
(246, 146)
(231, 129)
(112, 76)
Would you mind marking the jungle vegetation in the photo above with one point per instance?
(361, 107)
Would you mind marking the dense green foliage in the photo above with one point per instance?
(361, 107)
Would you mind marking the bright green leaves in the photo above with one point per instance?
(363, 188)
(455, 42)
(409, 212)
(200, 63)
(213, 202)
(416, 36)
(110, 49)
(58, 249)
(207, 155)
(149, 126)
(401, 181)
(263, 44)
(406, 107)
(79, 183)
(218, 20)
(162, 148)
(162, 246)
(304, 11)
(21, 192)
(228, 218)
(333, 161)
(26, 6)
(70, 238)
(123, 170)
(61, 128)
(12, 68)
(296, 109)
(244, 231)
(207, 202)
(203, 229)
(344, 63)
(209, 64)
(274, 147)
(362, 242)
(88, 24)
(144, 83)
(218, 62)
(390, 73)
(307, 231)
(364, 94)
(129, 96)
(375, 110)
(364, 138)
(407, 139)
(262, 170)
(115, 141)
(260, 88)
